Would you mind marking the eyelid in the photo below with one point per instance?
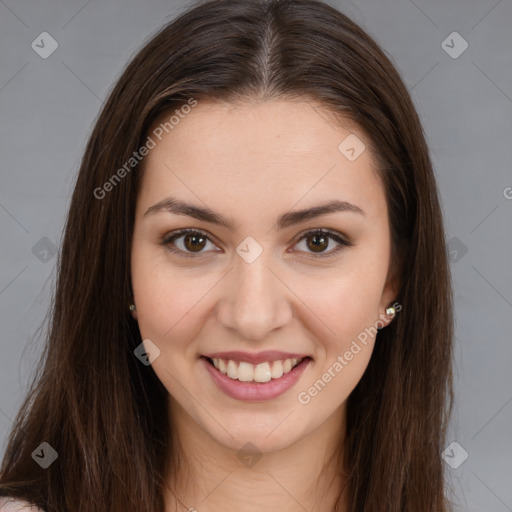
(336, 236)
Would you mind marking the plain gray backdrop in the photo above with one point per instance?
(48, 103)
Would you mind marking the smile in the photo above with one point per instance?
(255, 382)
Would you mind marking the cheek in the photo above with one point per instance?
(347, 301)
(346, 307)
(168, 299)
(345, 328)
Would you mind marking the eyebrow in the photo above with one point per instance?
(178, 207)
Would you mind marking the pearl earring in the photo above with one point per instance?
(132, 307)
(391, 311)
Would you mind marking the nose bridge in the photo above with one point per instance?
(257, 301)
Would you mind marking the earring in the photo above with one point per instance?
(132, 307)
(391, 311)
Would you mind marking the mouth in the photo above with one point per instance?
(255, 382)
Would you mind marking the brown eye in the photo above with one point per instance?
(319, 242)
(316, 242)
(194, 242)
(186, 242)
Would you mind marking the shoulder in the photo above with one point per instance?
(15, 505)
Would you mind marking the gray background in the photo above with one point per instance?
(48, 106)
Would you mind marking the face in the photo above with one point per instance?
(256, 287)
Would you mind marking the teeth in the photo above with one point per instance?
(262, 372)
(232, 370)
(247, 372)
(277, 370)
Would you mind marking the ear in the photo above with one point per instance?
(388, 298)
(390, 293)
(394, 278)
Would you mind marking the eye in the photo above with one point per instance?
(319, 239)
(194, 241)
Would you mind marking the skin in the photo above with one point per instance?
(253, 162)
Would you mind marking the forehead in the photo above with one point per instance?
(260, 154)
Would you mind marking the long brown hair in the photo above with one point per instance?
(101, 409)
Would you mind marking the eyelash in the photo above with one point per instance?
(169, 238)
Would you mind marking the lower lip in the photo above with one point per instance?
(255, 391)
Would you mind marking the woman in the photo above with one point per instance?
(253, 309)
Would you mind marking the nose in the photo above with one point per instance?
(255, 301)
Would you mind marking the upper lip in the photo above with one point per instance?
(255, 358)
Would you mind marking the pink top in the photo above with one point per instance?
(14, 505)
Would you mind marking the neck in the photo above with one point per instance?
(305, 475)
